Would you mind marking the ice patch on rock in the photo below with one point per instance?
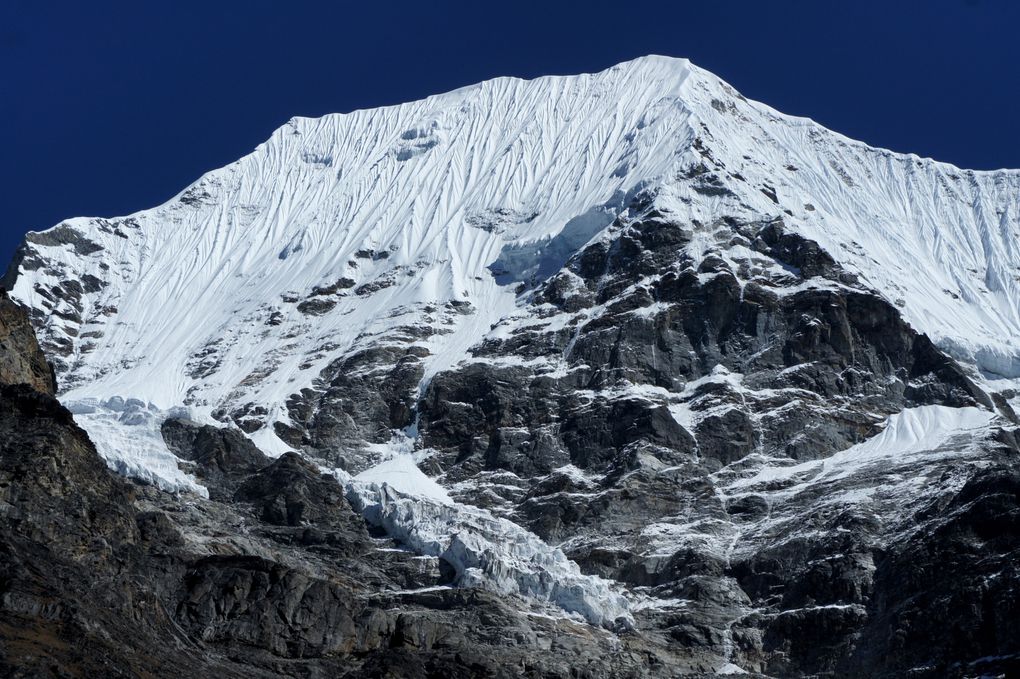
(126, 433)
(909, 432)
(402, 474)
(484, 551)
(535, 261)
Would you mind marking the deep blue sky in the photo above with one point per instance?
(111, 107)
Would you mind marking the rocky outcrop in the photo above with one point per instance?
(356, 399)
(74, 591)
(640, 323)
(311, 507)
(21, 360)
(946, 599)
(222, 457)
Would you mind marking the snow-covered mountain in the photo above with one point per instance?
(240, 290)
(495, 313)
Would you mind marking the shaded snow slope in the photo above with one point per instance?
(339, 230)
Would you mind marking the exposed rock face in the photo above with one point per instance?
(972, 612)
(777, 357)
(357, 399)
(75, 587)
(292, 494)
(277, 574)
(223, 457)
(21, 360)
(661, 378)
(95, 574)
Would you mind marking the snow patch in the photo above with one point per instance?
(126, 433)
(912, 431)
(402, 474)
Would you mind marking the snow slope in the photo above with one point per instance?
(914, 430)
(457, 197)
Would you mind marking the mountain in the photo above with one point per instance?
(635, 370)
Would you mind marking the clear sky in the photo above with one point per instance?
(107, 107)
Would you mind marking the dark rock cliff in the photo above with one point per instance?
(21, 361)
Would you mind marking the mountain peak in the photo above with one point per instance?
(625, 350)
(445, 212)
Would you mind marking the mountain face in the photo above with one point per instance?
(607, 375)
(279, 576)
